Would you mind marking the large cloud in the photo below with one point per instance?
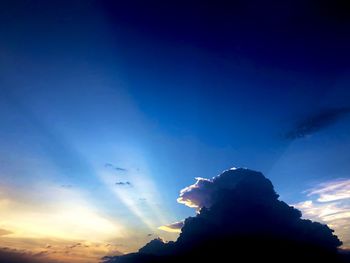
(239, 215)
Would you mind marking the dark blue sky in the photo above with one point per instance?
(170, 91)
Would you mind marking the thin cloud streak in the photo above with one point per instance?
(173, 228)
(117, 168)
(317, 122)
(127, 183)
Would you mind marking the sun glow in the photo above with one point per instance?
(68, 216)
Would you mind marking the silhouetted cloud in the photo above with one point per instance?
(317, 122)
(240, 216)
(120, 169)
(174, 227)
(157, 246)
(127, 183)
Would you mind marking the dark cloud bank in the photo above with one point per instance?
(244, 221)
(15, 256)
(317, 122)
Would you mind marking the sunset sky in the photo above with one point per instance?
(108, 110)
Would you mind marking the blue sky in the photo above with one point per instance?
(83, 86)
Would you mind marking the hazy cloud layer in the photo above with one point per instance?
(52, 250)
(317, 122)
(5, 232)
(16, 256)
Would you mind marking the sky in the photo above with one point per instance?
(108, 109)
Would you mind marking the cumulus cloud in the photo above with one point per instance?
(174, 227)
(317, 122)
(204, 191)
(239, 213)
(198, 194)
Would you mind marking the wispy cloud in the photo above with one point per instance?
(316, 122)
(127, 183)
(331, 191)
(329, 202)
(117, 168)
